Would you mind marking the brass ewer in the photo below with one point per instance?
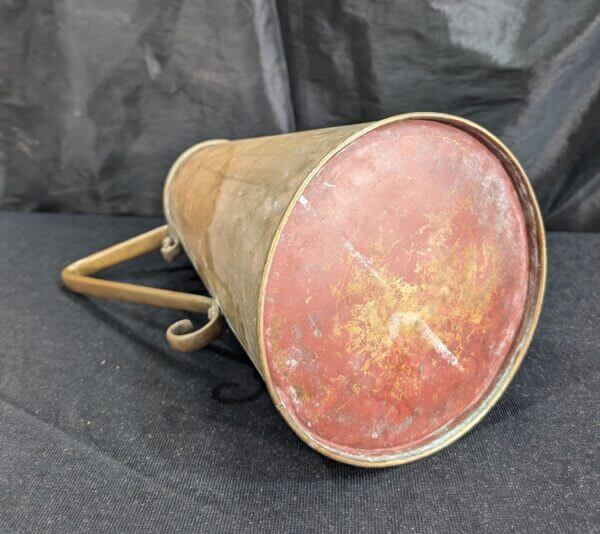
(385, 278)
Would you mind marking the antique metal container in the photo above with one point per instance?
(385, 278)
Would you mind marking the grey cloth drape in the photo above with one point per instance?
(105, 430)
(98, 97)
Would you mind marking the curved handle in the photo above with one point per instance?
(76, 277)
(182, 336)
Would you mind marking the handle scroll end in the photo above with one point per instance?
(181, 335)
(170, 248)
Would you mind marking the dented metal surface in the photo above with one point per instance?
(385, 279)
(415, 266)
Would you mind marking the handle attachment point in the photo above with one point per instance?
(170, 248)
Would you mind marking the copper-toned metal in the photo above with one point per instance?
(179, 335)
(385, 278)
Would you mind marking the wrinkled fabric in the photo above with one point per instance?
(104, 429)
(97, 98)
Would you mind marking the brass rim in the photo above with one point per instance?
(523, 340)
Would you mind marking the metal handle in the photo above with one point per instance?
(180, 335)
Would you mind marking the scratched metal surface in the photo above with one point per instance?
(225, 202)
(397, 289)
(459, 211)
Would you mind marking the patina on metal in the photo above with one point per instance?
(384, 278)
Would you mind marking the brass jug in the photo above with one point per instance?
(384, 278)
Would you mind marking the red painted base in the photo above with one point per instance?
(396, 289)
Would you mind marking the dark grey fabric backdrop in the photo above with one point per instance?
(104, 429)
(97, 97)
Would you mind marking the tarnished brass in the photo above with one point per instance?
(179, 335)
(227, 204)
